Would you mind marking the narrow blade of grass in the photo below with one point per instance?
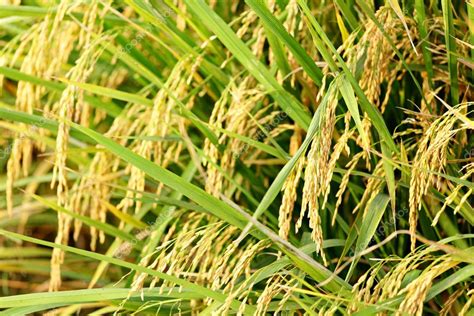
(106, 228)
(368, 227)
(348, 14)
(111, 108)
(351, 103)
(273, 25)
(450, 39)
(420, 17)
(372, 112)
(288, 103)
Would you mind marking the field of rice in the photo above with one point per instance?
(225, 157)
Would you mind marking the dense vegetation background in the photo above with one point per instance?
(236, 157)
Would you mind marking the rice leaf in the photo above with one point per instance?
(450, 39)
(368, 227)
(287, 102)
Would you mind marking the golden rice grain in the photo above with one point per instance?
(289, 188)
(417, 290)
(430, 158)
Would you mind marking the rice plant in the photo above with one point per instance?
(257, 157)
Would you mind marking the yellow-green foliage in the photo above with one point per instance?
(236, 157)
